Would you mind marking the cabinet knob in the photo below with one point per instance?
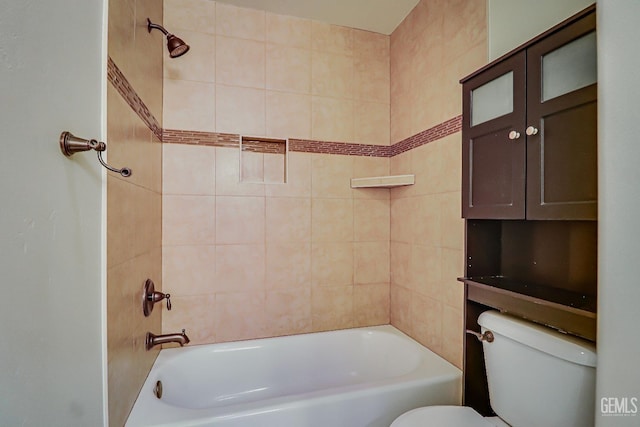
(513, 135)
(532, 130)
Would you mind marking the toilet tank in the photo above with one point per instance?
(537, 376)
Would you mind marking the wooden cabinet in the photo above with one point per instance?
(529, 190)
(529, 130)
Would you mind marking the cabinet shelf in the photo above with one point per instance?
(565, 310)
(383, 181)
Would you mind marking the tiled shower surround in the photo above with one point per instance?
(254, 260)
(248, 260)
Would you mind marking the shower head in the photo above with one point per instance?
(176, 46)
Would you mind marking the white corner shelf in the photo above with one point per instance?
(383, 181)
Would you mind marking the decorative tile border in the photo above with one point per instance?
(435, 133)
(344, 148)
(124, 88)
(212, 139)
(215, 139)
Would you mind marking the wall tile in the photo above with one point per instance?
(192, 15)
(429, 53)
(121, 33)
(288, 311)
(228, 175)
(401, 224)
(188, 270)
(332, 263)
(146, 74)
(364, 167)
(240, 110)
(298, 177)
(363, 78)
(332, 119)
(400, 308)
(188, 220)
(425, 220)
(240, 220)
(240, 268)
(195, 314)
(133, 220)
(275, 170)
(288, 68)
(188, 169)
(181, 97)
(331, 176)
(332, 307)
(372, 80)
(240, 316)
(371, 304)
(371, 220)
(451, 221)
(367, 44)
(453, 335)
(331, 38)
(452, 264)
(134, 205)
(332, 220)
(426, 317)
(400, 263)
(372, 123)
(199, 64)
(371, 166)
(240, 62)
(288, 30)
(288, 265)
(332, 75)
(426, 269)
(288, 219)
(288, 115)
(240, 22)
(371, 262)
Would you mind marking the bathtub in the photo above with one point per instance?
(362, 377)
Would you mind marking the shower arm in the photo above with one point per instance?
(71, 144)
(151, 25)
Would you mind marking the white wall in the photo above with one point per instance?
(51, 244)
(513, 22)
(619, 178)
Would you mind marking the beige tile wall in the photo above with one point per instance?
(437, 44)
(262, 74)
(254, 260)
(134, 205)
(249, 260)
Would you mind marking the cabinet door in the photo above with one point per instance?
(562, 108)
(493, 165)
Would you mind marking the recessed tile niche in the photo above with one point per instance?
(263, 160)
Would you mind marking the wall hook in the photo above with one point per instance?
(71, 144)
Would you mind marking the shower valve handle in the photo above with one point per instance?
(150, 296)
(159, 296)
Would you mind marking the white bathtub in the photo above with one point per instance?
(350, 378)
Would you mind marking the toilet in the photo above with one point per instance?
(537, 377)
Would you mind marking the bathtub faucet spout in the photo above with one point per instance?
(153, 340)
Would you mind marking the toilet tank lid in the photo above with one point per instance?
(542, 338)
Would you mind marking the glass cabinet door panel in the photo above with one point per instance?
(493, 99)
(570, 67)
